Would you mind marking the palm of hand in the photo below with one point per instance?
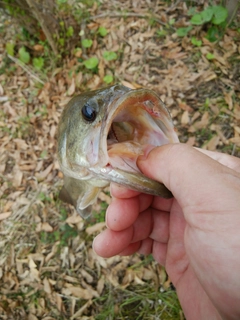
(180, 270)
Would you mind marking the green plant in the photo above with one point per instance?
(102, 31)
(38, 63)
(43, 154)
(196, 42)
(171, 22)
(140, 302)
(24, 128)
(63, 213)
(214, 16)
(10, 48)
(48, 237)
(69, 32)
(217, 16)
(99, 216)
(43, 197)
(87, 43)
(210, 56)
(108, 79)
(12, 9)
(67, 234)
(182, 32)
(161, 33)
(91, 63)
(109, 55)
(42, 111)
(24, 56)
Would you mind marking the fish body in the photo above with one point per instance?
(100, 135)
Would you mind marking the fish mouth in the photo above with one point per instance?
(136, 121)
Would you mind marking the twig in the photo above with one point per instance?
(41, 20)
(82, 35)
(233, 149)
(173, 6)
(232, 7)
(25, 68)
(4, 98)
(126, 15)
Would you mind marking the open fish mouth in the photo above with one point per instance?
(135, 121)
(101, 134)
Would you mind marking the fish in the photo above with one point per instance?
(101, 133)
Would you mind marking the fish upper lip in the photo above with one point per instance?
(141, 98)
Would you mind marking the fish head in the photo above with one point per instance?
(80, 129)
(101, 134)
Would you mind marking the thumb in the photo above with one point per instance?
(192, 177)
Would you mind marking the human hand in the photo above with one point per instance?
(195, 235)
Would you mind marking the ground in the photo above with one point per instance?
(48, 269)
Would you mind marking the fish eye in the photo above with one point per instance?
(88, 112)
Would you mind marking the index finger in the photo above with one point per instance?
(121, 192)
(159, 203)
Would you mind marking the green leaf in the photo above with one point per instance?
(196, 42)
(38, 63)
(203, 17)
(182, 32)
(210, 56)
(10, 48)
(161, 33)
(69, 32)
(220, 15)
(91, 63)
(207, 102)
(191, 11)
(87, 43)
(109, 55)
(108, 79)
(43, 154)
(24, 56)
(171, 22)
(213, 34)
(102, 31)
(197, 19)
(207, 14)
(61, 41)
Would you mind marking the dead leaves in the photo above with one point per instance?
(5, 215)
(78, 292)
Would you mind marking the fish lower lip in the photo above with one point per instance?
(132, 180)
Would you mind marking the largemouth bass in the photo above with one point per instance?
(100, 135)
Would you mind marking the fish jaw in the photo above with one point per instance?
(133, 180)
